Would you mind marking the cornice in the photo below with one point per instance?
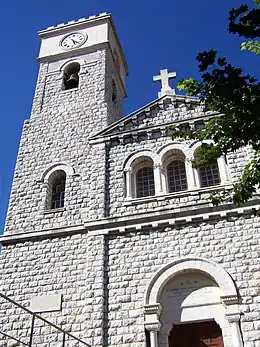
(165, 218)
(120, 136)
(84, 22)
(120, 130)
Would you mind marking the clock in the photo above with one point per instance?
(73, 40)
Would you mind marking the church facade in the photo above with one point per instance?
(110, 234)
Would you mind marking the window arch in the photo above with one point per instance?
(143, 177)
(175, 171)
(71, 76)
(56, 190)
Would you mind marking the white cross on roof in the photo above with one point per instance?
(164, 77)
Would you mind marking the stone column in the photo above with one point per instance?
(152, 324)
(190, 174)
(224, 177)
(235, 329)
(153, 328)
(128, 179)
(157, 179)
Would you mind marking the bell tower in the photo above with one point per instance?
(79, 91)
(85, 57)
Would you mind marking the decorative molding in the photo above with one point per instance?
(152, 326)
(233, 318)
(153, 309)
(164, 218)
(69, 170)
(128, 162)
(229, 299)
(120, 128)
(214, 270)
(42, 234)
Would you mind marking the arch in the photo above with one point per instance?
(175, 146)
(196, 144)
(213, 270)
(81, 62)
(68, 169)
(127, 165)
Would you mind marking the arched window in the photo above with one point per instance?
(209, 176)
(145, 182)
(56, 189)
(141, 180)
(174, 171)
(71, 76)
(176, 175)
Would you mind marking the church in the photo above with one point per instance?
(110, 238)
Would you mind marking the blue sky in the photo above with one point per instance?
(154, 35)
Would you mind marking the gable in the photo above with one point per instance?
(158, 115)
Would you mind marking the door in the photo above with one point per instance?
(205, 334)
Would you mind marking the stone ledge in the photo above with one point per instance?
(54, 210)
(139, 221)
(150, 220)
(184, 193)
(41, 234)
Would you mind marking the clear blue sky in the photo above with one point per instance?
(154, 35)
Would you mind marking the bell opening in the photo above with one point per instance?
(71, 76)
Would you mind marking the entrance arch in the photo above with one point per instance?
(191, 290)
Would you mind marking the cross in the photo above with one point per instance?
(164, 77)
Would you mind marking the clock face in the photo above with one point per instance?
(73, 40)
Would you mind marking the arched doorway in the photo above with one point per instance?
(189, 293)
(202, 334)
(186, 299)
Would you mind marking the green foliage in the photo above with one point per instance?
(253, 46)
(236, 97)
(206, 155)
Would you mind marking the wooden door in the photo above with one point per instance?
(205, 334)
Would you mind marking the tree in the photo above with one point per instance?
(226, 89)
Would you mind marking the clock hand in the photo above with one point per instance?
(75, 42)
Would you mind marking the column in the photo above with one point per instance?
(223, 170)
(153, 328)
(157, 179)
(128, 183)
(190, 174)
(152, 324)
(235, 329)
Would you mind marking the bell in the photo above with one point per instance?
(72, 81)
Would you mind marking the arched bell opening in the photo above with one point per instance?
(71, 76)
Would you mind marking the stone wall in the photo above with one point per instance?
(72, 267)
(135, 257)
(58, 132)
(103, 279)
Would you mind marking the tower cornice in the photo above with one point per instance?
(63, 28)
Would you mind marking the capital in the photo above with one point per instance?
(152, 326)
(232, 318)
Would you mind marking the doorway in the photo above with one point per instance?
(204, 334)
